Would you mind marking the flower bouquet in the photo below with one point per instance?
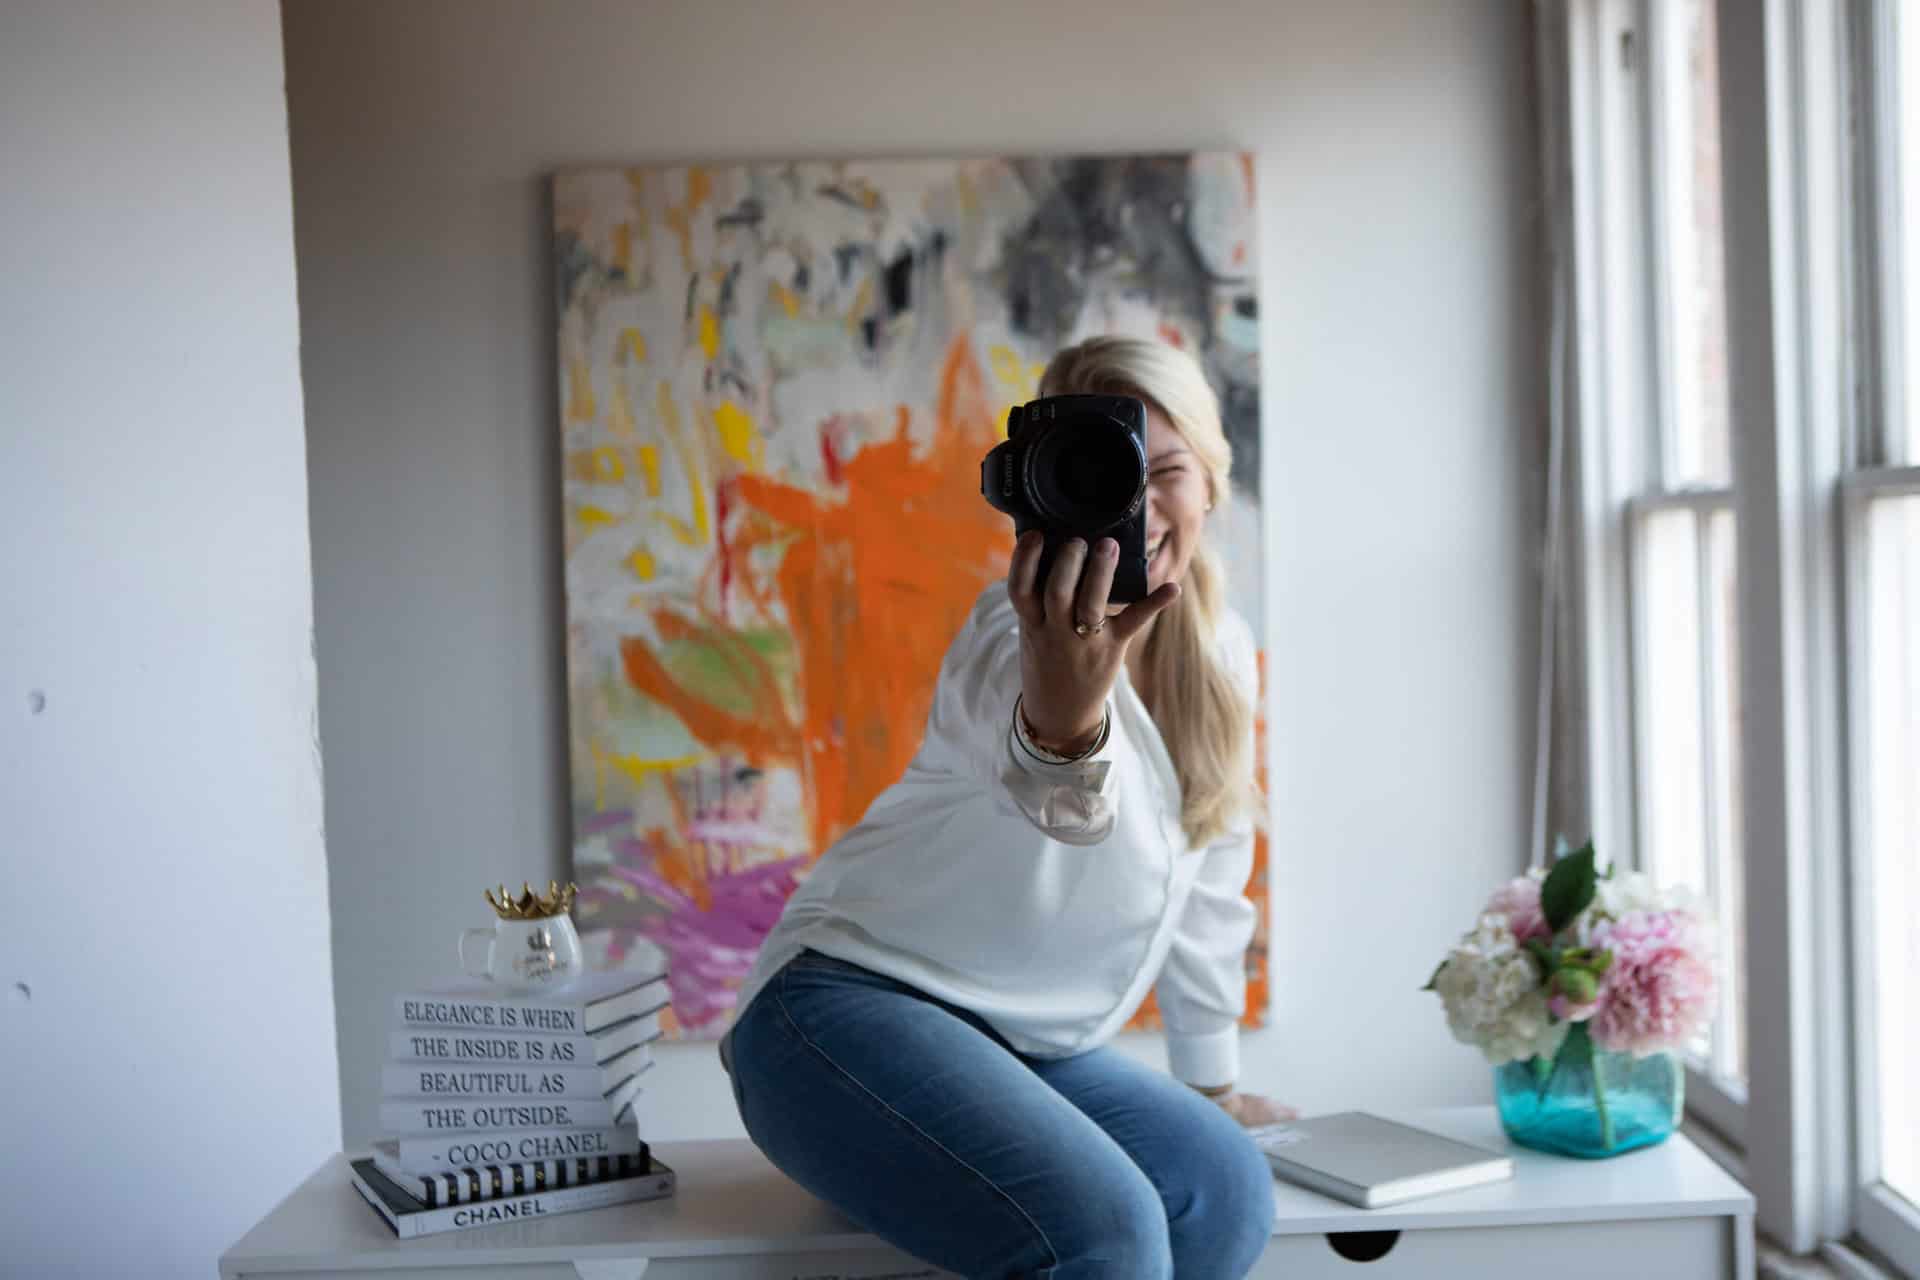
(1581, 988)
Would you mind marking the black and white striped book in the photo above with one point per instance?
(410, 1217)
(494, 1180)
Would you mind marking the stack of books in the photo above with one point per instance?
(501, 1107)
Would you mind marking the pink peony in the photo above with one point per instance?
(1519, 901)
(1660, 990)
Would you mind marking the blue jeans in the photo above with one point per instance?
(916, 1120)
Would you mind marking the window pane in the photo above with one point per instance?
(1673, 788)
(1688, 736)
(1903, 442)
(1693, 285)
(1729, 892)
(1891, 844)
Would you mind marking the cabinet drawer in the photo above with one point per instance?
(1691, 1247)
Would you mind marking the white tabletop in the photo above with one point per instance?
(1672, 1180)
(730, 1201)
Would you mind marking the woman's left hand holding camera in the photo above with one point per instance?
(1070, 649)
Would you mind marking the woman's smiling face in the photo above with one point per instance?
(1177, 501)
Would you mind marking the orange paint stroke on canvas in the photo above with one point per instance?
(874, 582)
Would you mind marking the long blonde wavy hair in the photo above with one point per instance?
(1202, 716)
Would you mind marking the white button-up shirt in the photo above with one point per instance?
(1046, 898)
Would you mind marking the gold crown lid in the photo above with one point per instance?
(530, 905)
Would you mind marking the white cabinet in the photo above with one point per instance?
(1665, 1211)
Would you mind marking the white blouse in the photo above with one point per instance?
(1044, 897)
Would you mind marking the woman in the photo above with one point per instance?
(922, 1040)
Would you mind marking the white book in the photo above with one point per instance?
(422, 1044)
(469, 1081)
(460, 1113)
(1372, 1162)
(409, 1217)
(584, 1005)
(431, 1154)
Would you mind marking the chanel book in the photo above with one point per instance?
(492, 1180)
(409, 1216)
(1370, 1162)
(601, 1047)
(579, 1007)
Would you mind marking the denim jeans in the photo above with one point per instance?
(917, 1121)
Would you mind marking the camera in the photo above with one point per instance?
(1076, 467)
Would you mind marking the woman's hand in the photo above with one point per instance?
(1065, 674)
(1252, 1110)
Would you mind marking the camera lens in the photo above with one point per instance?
(1087, 474)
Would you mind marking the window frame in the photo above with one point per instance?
(1884, 1219)
(1619, 337)
(1787, 206)
(1786, 164)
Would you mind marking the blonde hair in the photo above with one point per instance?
(1203, 717)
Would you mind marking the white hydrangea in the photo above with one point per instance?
(1493, 997)
(1627, 891)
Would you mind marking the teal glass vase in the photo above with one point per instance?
(1587, 1102)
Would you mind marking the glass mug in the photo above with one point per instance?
(523, 954)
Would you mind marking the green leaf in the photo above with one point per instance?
(1569, 888)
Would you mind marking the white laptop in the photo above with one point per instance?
(1370, 1162)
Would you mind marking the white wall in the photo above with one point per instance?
(167, 1057)
(1395, 172)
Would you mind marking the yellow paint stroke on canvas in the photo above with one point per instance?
(648, 456)
(579, 392)
(634, 345)
(701, 532)
(786, 297)
(1019, 377)
(641, 562)
(709, 332)
(620, 412)
(739, 434)
(637, 768)
(623, 249)
(594, 517)
(680, 217)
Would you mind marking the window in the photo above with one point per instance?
(1687, 676)
(1744, 199)
(1881, 549)
(1656, 450)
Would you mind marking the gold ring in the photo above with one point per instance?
(1081, 628)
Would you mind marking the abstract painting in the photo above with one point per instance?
(776, 385)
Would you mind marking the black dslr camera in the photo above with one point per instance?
(1076, 467)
